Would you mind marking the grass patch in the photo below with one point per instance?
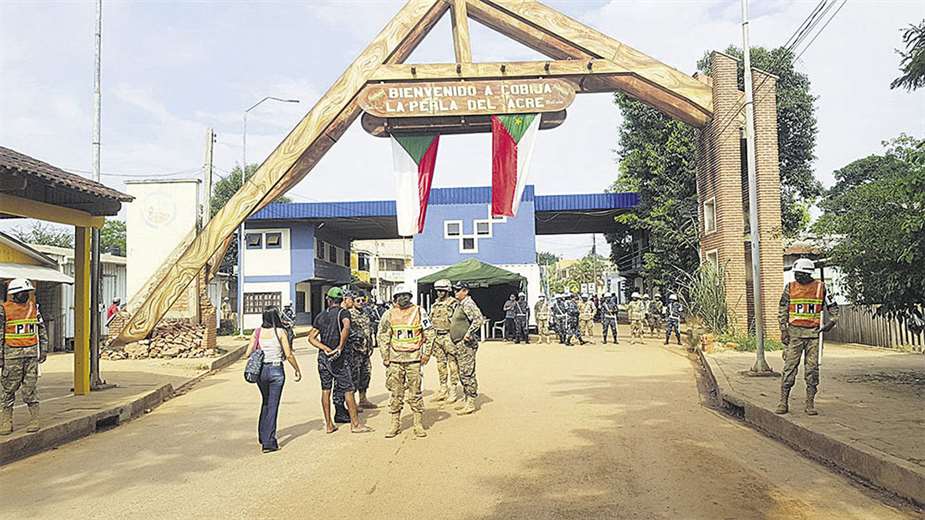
(748, 342)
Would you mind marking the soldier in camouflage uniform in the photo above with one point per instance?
(800, 316)
(541, 311)
(405, 339)
(586, 312)
(609, 317)
(637, 316)
(357, 353)
(440, 314)
(23, 345)
(465, 324)
(362, 365)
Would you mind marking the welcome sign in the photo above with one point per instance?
(458, 98)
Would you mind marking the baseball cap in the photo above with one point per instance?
(335, 292)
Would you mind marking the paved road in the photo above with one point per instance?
(595, 432)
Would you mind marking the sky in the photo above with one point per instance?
(171, 69)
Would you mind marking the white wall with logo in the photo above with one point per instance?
(161, 215)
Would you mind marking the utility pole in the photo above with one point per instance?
(761, 367)
(95, 275)
(207, 179)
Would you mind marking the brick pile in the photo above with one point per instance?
(177, 338)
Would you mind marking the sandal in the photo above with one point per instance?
(362, 429)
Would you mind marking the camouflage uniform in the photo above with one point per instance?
(803, 342)
(609, 318)
(673, 321)
(541, 311)
(463, 351)
(637, 316)
(440, 314)
(654, 314)
(403, 368)
(20, 369)
(571, 310)
(357, 352)
(586, 312)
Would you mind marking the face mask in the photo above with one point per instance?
(403, 300)
(21, 297)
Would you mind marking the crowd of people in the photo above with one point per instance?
(346, 334)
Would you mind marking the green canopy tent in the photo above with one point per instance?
(490, 286)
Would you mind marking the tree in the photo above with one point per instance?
(875, 215)
(546, 258)
(222, 192)
(45, 234)
(112, 237)
(658, 159)
(912, 63)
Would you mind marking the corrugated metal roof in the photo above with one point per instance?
(445, 196)
(20, 163)
(586, 201)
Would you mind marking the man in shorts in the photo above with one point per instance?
(329, 336)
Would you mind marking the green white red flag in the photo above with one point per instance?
(512, 140)
(413, 158)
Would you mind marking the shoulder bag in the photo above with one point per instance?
(254, 362)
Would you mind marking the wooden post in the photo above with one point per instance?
(82, 311)
(461, 32)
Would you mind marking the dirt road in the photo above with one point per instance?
(592, 432)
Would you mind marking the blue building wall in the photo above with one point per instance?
(511, 240)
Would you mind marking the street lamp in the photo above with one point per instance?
(241, 227)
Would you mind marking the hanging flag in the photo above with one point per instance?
(413, 158)
(512, 140)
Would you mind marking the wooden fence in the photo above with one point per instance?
(857, 324)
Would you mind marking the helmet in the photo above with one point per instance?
(584, 296)
(521, 295)
(402, 288)
(461, 285)
(673, 297)
(635, 294)
(804, 265)
(542, 297)
(335, 293)
(19, 285)
(443, 285)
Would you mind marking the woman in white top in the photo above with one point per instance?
(271, 338)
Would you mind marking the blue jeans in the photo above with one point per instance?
(272, 379)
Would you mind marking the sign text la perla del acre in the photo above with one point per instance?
(459, 98)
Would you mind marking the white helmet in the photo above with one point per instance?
(635, 294)
(18, 285)
(804, 265)
(673, 297)
(402, 288)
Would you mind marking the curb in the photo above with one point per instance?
(875, 467)
(227, 358)
(67, 431)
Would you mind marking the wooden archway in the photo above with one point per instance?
(587, 59)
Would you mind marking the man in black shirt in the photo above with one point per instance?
(329, 335)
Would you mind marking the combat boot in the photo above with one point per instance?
(452, 395)
(468, 406)
(34, 425)
(394, 426)
(810, 407)
(6, 421)
(783, 406)
(419, 425)
(441, 394)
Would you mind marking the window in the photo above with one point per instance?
(332, 253)
(391, 264)
(363, 262)
(468, 245)
(713, 256)
(255, 303)
(254, 240)
(346, 262)
(483, 228)
(320, 249)
(274, 240)
(709, 215)
(452, 228)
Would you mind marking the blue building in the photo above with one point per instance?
(296, 251)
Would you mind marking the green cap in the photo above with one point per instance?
(336, 293)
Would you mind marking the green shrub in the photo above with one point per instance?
(748, 342)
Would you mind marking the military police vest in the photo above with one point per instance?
(805, 307)
(22, 324)
(407, 330)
